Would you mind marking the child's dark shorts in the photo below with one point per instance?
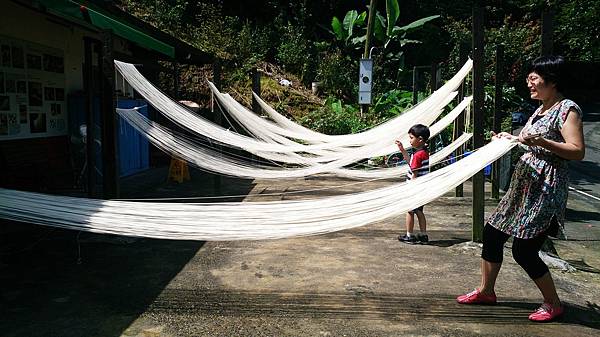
(417, 209)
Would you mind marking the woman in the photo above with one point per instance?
(535, 202)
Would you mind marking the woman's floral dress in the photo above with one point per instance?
(536, 199)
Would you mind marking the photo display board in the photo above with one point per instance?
(32, 90)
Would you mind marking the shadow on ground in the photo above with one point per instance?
(360, 305)
(46, 292)
(584, 172)
(581, 216)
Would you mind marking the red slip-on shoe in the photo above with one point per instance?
(475, 297)
(546, 313)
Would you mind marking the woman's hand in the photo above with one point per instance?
(532, 140)
(502, 135)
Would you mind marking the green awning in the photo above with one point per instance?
(102, 21)
(73, 10)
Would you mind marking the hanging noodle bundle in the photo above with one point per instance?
(243, 220)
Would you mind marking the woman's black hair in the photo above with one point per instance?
(419, 130)
(550, 68)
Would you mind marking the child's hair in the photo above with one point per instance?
(420, 130)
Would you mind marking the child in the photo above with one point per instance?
(418, 166)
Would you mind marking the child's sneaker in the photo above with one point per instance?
(407, 239)
(423, 238)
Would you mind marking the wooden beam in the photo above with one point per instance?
(478, 117)
(176, 80)
(364, 108)
(459, 123)
(498, 115)
(415, 89)
(433, 79)
(216, 70)
(256, 88)
(547, 31)
(110, 157)
(90, 122)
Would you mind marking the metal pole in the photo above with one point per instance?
(496, 126)
(478, 96)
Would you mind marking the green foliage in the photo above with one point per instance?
(295, 53)
(353, 29)
(511, 101)
(337, 74)
(577, 31)
(390, 104)
(335, 118)
(344, 30)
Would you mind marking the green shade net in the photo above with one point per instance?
(70, 10)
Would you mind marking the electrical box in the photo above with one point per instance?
(365, 81)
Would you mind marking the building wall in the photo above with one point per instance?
(44, 160)
(21, 23)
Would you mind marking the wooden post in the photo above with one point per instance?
(175, 80)
(459, 123)
(547, 31)
(110, 158)
(256, 88)
(478, 96)
(415, 98)
(90, 122)
(216, 69)
(364, 108)
(434, 80)
(496, 126)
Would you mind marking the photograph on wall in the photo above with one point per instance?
(4, 103)
(55, 109)
(34, 62)
(10, 86)
(49, 94)
(22, 113)
(57, 125)
(1, 82)
(37, 123)
(13, 127)
(21, 99)
(35, 94)
(3, 124)
(5, 55)
(21, 87)
(60, 94)
(18, 57)
(55, 64)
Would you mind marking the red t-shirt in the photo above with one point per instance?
(419, 163)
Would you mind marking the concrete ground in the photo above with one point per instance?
(359, 282)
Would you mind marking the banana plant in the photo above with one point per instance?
(353, 33)
(344, 30)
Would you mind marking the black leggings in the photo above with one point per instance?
(525, 251)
